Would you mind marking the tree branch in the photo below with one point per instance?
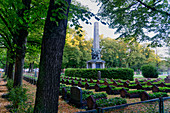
(6, 23)
(35, 42)
(153, 8)
(6, 38)
(2, 63)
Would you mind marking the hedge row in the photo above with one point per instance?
(118, 73)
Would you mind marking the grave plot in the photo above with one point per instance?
(160, 89)
(112, 90)
(130, 94)
(147, 96)
(144, 87)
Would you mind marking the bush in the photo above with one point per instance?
(10, 83)
(99, 95)
(158, 94)
(149, 71)
(86, 94)
(136, 91)
(120, 73)
(18, 96)
(110, 102)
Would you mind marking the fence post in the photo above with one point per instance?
(161, 105)
(99, 110)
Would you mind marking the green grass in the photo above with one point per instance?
(30, 76)
(140, 76)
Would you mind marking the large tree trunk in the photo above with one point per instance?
(21, 39)
(50, 62)
(19, 64)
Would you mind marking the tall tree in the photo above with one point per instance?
(138, 18)
(21, 39)
(51, 57)
(16, 20)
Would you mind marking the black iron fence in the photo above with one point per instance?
(159, 105)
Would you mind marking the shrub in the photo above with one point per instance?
(164, 88)
(17, 96)
(100, 95)
(86, 94)
(120, 73)
(110, 102)
(119, 88)
(10, 83)
(102, 86)
(135, 91)
(92, 84)
(158, 94)
(149, 71)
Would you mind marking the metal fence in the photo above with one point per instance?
(159, 105)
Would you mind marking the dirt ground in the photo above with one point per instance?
(62, 108)
(66, 108)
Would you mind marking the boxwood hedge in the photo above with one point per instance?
(115, 73)
(149, 71)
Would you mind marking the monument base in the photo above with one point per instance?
(95, 64)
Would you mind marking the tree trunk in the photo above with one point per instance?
(6, 66)
(10, 70)
(19, 64)
(31, 67)
(21, 39)
(50, 62)
(11, 65)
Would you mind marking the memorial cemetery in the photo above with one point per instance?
(50, 62)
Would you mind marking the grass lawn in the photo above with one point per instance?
(160, 76)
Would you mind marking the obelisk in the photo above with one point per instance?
(96, 36)
(96, 61)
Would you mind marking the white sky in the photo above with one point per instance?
(104, 29)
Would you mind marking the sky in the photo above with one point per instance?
(104, 29)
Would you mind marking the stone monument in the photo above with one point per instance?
(96, 61)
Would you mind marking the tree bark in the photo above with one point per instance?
(21, 39)
(31, 67)
(11, 59)
(6, 66)
(19, 64)
(50, 62)
(10, 70)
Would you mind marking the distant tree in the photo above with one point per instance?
(135, 58)
(114, 52)
(129, 53)
(77, 50)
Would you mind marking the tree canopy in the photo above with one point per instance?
(143, 19)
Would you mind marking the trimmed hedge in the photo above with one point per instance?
(149, 71)
(119, 73)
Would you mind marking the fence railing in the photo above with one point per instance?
(159, 105)
(89, 111)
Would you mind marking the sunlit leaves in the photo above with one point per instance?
(77, 50)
